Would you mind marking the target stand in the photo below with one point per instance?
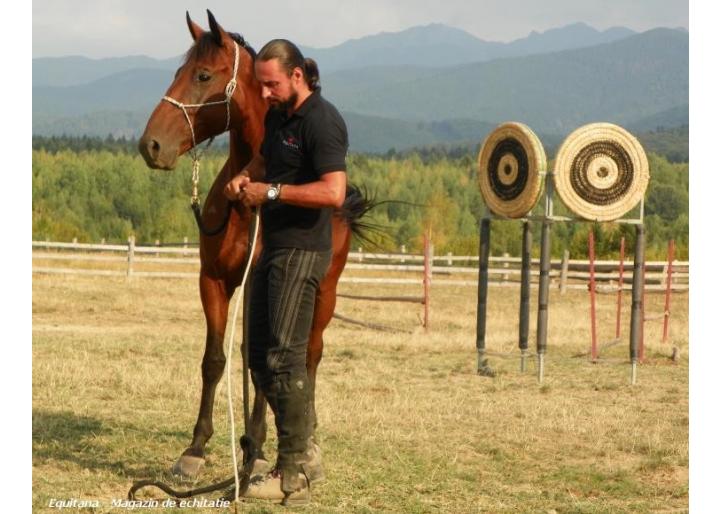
(512, 168)
(601, 173)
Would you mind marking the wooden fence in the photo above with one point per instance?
(130, 260)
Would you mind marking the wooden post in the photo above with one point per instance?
(543, 298)
(641, 350)
(427, 278)
(131, 256)
(524, 329)
(449, 258)
(185, 245)
(102, 241)
(668, 290)
(74, 240)
(564, 271)
(506, 264)
(360, 257)
(157, 243)
(484, 254)
(591, 286)
(403, 250)
(621, 269)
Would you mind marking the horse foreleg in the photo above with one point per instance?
(215, 301)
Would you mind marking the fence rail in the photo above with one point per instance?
(167, 262)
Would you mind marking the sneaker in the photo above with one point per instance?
(269, 487)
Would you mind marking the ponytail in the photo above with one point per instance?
(312, 73)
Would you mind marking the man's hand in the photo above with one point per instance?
(249, 193)
(255, 194)
(235, 189)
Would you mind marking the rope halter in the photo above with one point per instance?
(229, 91)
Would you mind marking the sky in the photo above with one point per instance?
(156, 28)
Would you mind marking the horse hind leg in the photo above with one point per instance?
(325, 301)
(315, 349)
(324, 308)
(257, 426)
(215, 301)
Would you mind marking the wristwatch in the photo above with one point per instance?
(273, 193)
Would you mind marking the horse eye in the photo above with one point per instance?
(203, 77)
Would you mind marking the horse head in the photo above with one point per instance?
(206, 97)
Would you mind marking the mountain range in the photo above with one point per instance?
(438, 45)
(425, 85)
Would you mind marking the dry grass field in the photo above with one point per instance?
(406, 425)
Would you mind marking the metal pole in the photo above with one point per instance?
(636, 316)
(591, 287)
(525, 295)
(482, 291)
(543, 297)
(620, 288)
(668, 289)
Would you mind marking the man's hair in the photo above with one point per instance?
(290, 57)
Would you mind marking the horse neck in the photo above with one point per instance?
(247, 128)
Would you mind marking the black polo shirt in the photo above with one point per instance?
(298, 150)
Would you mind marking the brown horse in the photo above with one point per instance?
(178, 124)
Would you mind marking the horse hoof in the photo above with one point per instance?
(188, 466)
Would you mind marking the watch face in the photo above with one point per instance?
(272, 193)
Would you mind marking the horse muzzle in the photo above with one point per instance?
(157, 154)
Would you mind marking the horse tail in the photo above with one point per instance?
(357, 204)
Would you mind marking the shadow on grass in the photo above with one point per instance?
(96, 444)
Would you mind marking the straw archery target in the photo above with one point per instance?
(511, 165)
(601, 172)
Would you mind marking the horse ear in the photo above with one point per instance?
(195, 30)
(215, 28)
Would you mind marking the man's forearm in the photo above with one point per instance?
(329, 191)
(315, 194)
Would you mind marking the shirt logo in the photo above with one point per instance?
(291, 142)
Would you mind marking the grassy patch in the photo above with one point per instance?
(405, 423)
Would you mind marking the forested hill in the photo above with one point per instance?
(421, 139)
(106, 191)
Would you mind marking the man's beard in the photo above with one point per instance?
(287, 104)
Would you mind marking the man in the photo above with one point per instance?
(302, 160)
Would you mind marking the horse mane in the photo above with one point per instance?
(205, 45)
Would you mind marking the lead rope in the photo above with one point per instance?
(256, 222)
(229, 92)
